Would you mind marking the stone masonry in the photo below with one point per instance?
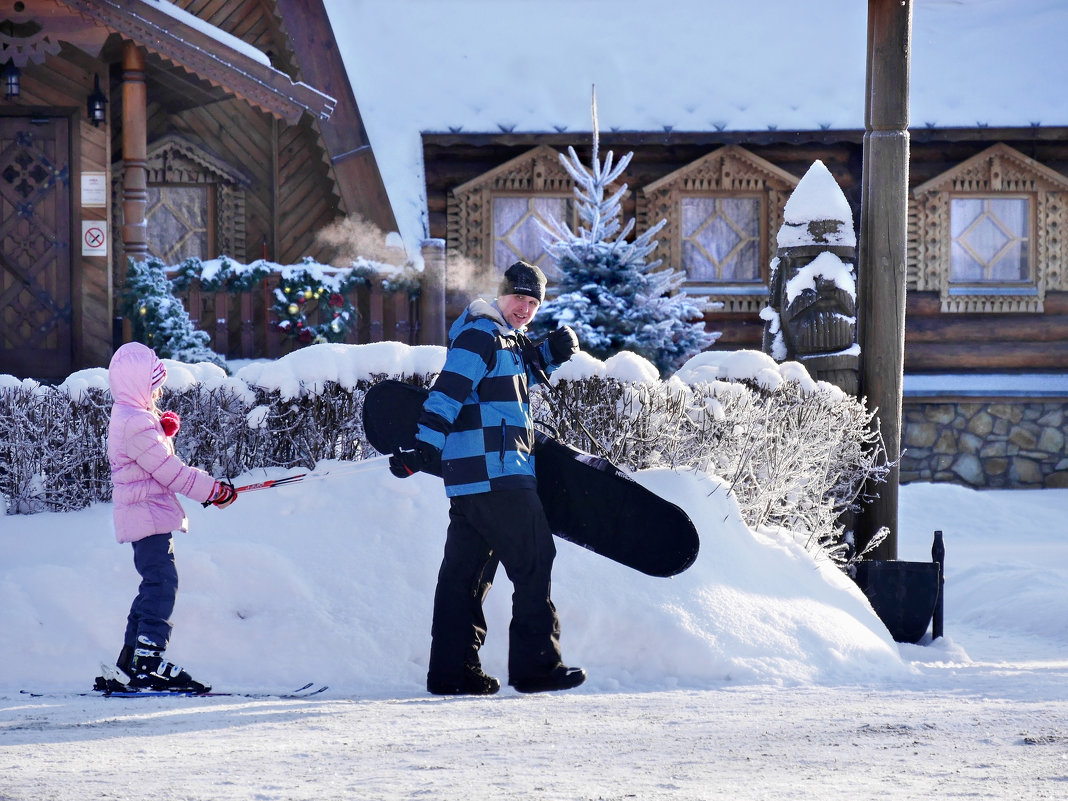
(986, 444)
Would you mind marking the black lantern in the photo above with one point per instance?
(96, 103)
(11, 74)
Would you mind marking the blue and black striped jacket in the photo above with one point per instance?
(478, 412)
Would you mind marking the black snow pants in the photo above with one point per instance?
(506, 527)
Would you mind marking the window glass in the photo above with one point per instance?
(721, 239)
(517, 235)
(177, 218)
(990, 239)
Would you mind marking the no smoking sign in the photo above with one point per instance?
(94, 238)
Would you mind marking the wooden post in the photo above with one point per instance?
(432, 323)
(881, 268)
(134, 155)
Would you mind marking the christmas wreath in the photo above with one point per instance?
(307, 288)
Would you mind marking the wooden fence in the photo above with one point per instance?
(242, 325)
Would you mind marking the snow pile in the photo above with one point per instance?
(333, 581)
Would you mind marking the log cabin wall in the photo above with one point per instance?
(451, 160)
(935, 340)
(288, 193)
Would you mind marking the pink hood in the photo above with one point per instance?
(147, 474)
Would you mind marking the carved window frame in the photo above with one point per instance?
(470, 206)
(997, 171)
(730, 171)
(172, 160)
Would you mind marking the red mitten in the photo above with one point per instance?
(171, 422)
(222, 495)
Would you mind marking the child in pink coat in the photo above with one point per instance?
(148, 477)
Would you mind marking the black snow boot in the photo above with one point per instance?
(149, 670)
(560, 677)
(472, 681)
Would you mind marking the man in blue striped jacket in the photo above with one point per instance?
(477, 423)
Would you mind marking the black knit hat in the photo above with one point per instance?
(523, 279)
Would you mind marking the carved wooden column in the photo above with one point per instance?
(134, 155)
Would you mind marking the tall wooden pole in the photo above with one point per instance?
(881, 251)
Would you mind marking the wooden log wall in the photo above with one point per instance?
(935, 341)
(288, 197)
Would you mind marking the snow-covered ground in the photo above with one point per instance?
(758, 673)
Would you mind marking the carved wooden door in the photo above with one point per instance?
(35, 247)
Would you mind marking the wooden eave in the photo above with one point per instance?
(773, 172)
(357, 178)
(1040, 171)
(206, 57)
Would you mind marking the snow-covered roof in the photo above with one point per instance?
(215, 33)
(478, 66)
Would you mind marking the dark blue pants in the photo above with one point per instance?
(150, 613)
(506, 527)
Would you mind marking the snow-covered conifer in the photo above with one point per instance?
(159, 319)
(607, 291)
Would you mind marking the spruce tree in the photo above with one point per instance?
(613, 298)
(159, 319)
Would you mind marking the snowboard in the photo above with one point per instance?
(587, 500)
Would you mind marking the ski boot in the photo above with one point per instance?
(148, 669)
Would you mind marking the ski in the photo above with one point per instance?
(104, 689)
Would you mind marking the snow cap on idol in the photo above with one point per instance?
(523, 279)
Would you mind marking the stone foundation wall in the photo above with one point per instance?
(986, 444)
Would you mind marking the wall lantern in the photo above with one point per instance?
(96, 103)
(11, 75)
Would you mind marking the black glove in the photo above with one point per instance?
(563, 344)
(408, 462)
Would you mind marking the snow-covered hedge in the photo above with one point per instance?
(795, 451)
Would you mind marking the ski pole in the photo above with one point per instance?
(281, 482)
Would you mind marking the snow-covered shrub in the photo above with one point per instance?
(795, 452)
(52, 449)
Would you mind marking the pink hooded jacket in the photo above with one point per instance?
(144, 469)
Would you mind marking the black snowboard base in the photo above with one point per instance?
(587, 500)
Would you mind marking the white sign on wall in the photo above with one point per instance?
(94, 190)
(94, 238)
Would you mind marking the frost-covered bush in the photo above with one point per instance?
(795, 452)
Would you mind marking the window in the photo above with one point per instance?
(722, 213)
(985, 234)
(517, 233)
(493, 219)
(990, 239)
(721, 238)
(195, 204)
(180, 222)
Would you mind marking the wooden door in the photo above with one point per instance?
(35, 247)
